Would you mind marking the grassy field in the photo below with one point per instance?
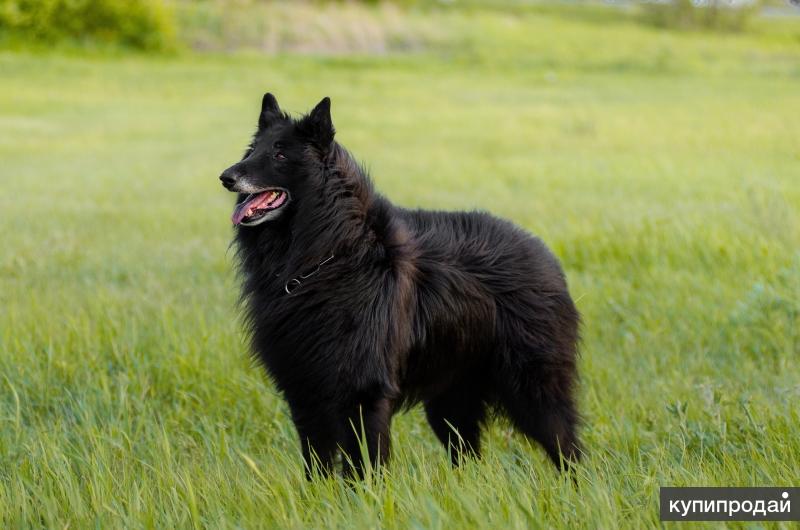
(662, 168)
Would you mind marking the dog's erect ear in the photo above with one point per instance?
(317, 126)
(269, 110)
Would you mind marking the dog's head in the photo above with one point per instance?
(283, 154)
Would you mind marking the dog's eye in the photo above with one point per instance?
(278, 146)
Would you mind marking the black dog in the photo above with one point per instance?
(358, 307)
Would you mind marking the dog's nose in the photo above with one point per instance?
(229, 177)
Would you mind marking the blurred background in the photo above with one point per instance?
(343, 27)
(653, 145)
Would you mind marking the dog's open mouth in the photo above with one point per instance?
(258, 207)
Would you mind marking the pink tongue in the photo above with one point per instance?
(244, 207)
(240, 211)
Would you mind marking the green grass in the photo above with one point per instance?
(662, 168)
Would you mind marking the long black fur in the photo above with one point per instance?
(462, 311)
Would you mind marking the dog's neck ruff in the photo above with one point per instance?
(292, 285)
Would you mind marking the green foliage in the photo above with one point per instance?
(139, 24)
(720, 15)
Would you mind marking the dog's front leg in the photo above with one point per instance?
(367, 438)
(319, 431)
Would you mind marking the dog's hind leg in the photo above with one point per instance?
(543, 409)
(456, 417)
